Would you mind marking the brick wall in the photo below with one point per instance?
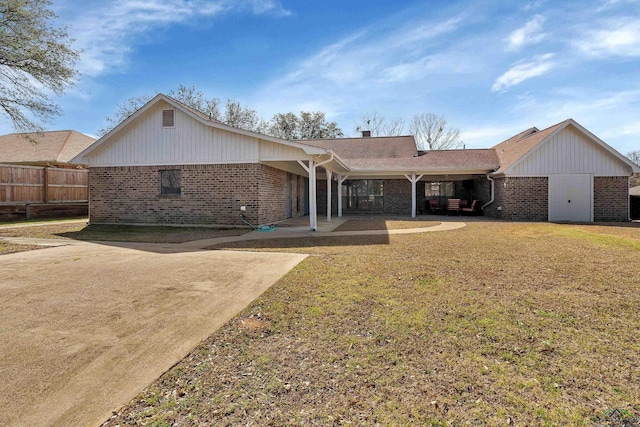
(397, 196)
(210, 194)
(610, 198)
(521, 198)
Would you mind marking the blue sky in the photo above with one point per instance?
(493, 68)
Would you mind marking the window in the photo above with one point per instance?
(439, 189)
(167, 118)
(170, 182)
(363, 194)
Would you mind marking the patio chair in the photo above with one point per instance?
(473, 209)
(453, 206)
(435, 206)
(464, 203)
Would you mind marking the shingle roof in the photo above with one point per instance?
(391, 147)
(473, 159)
(514, 148)
(55, 146)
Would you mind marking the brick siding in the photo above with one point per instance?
(210, 195)
(397, 196)
(610, 198)
(521, 198)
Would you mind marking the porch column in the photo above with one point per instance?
(329, 175)
(313, 214)
(341, 179)
(413, 180)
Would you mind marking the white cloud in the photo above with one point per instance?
(530, 33)
(522, 71)
(619, 37)
(361, 68)
(107, 31)
(610, 4)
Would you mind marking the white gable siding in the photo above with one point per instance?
(272, 151)
(146, 142)
(569, 152)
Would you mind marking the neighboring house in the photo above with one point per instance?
(37, 178)
(170, 164)
(54, 148)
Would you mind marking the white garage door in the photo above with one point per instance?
(571, 198)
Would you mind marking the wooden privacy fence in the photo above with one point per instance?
(21, 185)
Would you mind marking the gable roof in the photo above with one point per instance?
(385, 147)
(197, 115)
(514, 149)
(50, 147)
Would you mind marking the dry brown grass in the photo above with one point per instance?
(376, 224)
(121, 233)
(492, 324)
(527, 323)
(10, 248)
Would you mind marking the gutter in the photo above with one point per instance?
(493, 185)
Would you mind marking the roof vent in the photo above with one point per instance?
(366, 134)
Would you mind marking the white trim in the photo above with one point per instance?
(329, 173)
(231, 162)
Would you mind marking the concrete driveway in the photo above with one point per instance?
(84, 328)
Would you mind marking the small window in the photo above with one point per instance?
(167, 119)
(170, 182)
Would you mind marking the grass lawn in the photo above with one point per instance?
(492, 324)
(10, 248)
(119, 233)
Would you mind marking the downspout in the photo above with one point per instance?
(493, 183)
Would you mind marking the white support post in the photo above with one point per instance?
(341, 180)
(329, 175)
(413, 178)
(311, 170)
(313, 205)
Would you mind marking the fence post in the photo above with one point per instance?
(46, 184)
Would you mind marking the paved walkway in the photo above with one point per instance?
(84, 328)
(325, 229)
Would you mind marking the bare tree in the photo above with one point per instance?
(431, 133)
(310, 125)
(35, 57)
(378, 126)
(235, 114)
(634, 156)
(127, 108)
(196, 99)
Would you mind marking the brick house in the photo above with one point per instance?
(170, 164)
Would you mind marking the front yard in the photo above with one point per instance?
(493, 324)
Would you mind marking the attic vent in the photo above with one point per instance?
(366, 133)
(167, 118)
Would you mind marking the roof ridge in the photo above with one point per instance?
(357, 137)
(64, 143)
